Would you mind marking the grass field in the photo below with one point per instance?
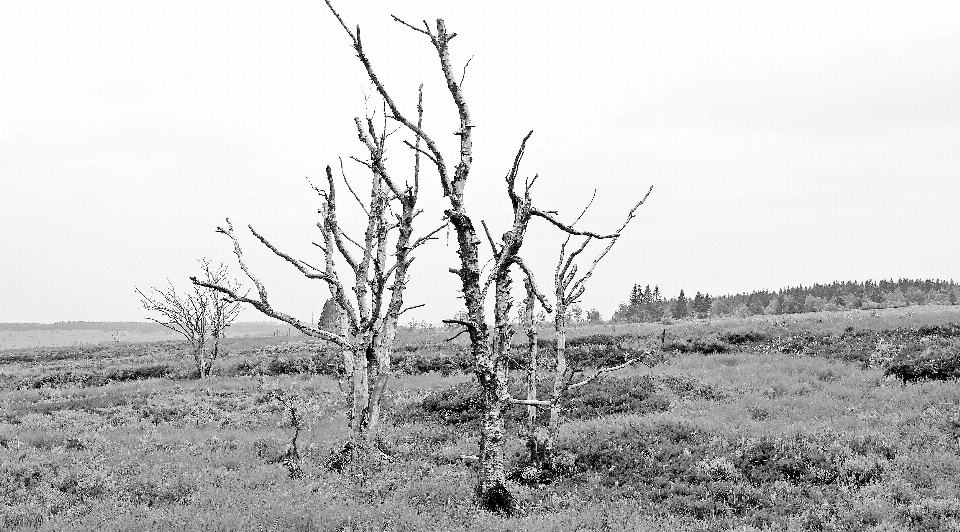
(767, 423)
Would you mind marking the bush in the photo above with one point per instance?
(940, 361)
(141, 372)
(705, 346)
(445, 359)
(456, 405)
(459, 405)
(612, 396)
(674, 467)
(743, 337)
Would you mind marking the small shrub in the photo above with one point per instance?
(456, 405)
(920, 363)
(149, 492)
(688, 387)
(744, 337)
(612, 396)
(706, 346)
(932, 514)
(758, 413)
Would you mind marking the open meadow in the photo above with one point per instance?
(824, 421)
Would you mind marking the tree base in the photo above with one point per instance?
(496, 499)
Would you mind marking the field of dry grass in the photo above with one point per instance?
(769, 423)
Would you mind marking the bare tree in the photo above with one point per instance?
(568, 289)
(199, 315)
(489, 347)
(534, 441)
(222, 311)
(369, 318)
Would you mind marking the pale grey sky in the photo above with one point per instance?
(787, 143)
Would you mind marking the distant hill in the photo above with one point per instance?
(252, 327)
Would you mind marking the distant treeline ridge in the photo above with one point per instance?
(646, 304)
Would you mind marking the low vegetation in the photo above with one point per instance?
(836, 422)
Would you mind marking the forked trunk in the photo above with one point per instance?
(371, 374)
(200, 360)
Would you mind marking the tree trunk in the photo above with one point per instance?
(200, 360)
(492, 377)
(383, 350)
(378, 375)
(492, 492)
(361, 396)
(561, 381)
(533, 443)
(216, 349)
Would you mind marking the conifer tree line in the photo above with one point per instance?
(646, 304)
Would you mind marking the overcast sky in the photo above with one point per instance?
(787, 143)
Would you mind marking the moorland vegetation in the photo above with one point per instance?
(804, 422)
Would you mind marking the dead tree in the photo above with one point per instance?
(199, 315)
(568, 288)
(369, 317)
(223, 312)
(534, 441)
(489, 345)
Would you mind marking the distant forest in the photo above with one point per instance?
(646, 304)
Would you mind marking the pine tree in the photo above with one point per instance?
(680, 307)
(698, 305)
(330, 316)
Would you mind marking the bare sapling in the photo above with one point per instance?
(199, 315)
(568, 289)
(222, 311)
(490, 345)
(372, 304)
(534, 440)
(291, 456)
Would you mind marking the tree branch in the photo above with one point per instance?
(533, 284)
(567, 228)
(530, 402)
(396, 114)
(512, 175)
(607, 370)
(493, 245)
(411, 308)
(350, 188)
(579, 285)
(308, 271)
